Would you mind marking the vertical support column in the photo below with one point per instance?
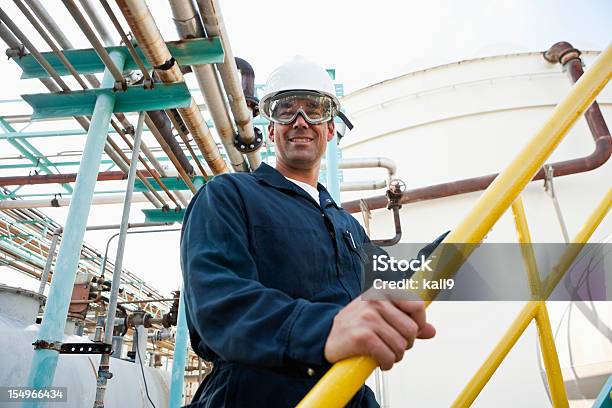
(44, 361)
(45, 275)
(331, 163)
(103, 369)
(180, 355)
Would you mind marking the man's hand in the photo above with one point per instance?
(381, 329)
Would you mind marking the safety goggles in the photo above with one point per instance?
(314, 107)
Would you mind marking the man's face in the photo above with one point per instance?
(300, 145)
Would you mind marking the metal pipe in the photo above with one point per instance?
(181, 129)
(63, 202)
(179, 358)
(129, 225)
(35, 53)
(166, 148)
(332, 176)
(563, 53)
(59, 36)
(50, 42)
(97, 22)
(162, 123)
(50, 255)
(363, 185)
(214, 26)
(103, 369)
(151, 42)
(158, 200)
(341, 382)
(124, 38)
(95, 42)
(44, 361)
(188, 25)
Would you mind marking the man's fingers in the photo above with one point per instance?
(427, 332)
(389, 335)
(414, 308)
(400, 321)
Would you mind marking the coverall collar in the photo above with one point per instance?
(274, 178)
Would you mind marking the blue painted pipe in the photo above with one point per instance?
(180, 356)
(44, 361)
(331, 168)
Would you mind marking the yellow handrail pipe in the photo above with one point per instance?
(343, 380)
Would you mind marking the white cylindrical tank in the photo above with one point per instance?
(469, 119)
(78, 372)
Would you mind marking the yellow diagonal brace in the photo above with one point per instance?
(489, 208)
(533, 309)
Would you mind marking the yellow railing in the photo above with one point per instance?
(343, 380)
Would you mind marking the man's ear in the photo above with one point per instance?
(331, 130)
(271, 131)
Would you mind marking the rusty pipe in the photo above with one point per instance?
(563, 53)
(62, 178)
(150, 40)
(248, 84)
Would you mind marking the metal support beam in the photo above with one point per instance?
(179, 358)
(103, 369)
(331, 160)
(44, 361)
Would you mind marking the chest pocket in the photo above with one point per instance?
(358, 258)
(292, 260)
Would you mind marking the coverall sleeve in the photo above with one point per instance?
(233, 313)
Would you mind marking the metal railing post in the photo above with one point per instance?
(344, 379)
(180, 355)
(44, 361)
(103, 369)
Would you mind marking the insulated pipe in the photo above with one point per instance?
(188, 25)
(154, 48)
(44, 360)
(103, 373)
(565, 54)
(214, 25)
(363, 185)
(367, 162)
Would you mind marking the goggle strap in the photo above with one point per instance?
(345, 119)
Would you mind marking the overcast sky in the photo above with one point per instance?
(366, 42)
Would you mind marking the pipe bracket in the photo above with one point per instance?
(246, 147)
(48, 345)
(166, 65)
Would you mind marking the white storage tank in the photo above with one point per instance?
(76, 372)
(469, 119)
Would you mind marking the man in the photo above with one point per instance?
(272, 266)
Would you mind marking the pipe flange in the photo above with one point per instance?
(245, 147)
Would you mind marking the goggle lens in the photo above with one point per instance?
(285, 107)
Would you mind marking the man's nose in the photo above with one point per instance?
(300, 122)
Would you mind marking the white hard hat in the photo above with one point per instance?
(299, 74)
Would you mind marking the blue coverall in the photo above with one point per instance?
(265, 271)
